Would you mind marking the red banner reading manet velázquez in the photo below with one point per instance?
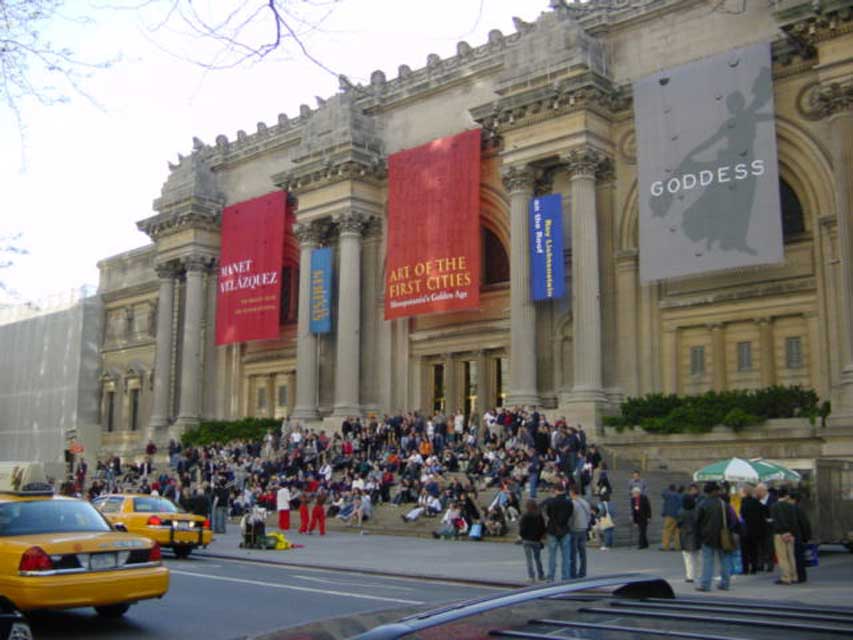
(250, 263)
(433, 259)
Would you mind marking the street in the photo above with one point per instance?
(224, 599)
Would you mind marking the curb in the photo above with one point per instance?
(496, 584)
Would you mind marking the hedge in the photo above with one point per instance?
(662, 413)
(222, 431)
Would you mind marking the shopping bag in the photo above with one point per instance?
(476, 531)
(811, 555)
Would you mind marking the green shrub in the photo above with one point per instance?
(738, 408)
(222, 431)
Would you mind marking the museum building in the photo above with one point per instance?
(554, 105)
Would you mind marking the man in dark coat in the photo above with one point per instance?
(641, 511)
(558, 510)
(755, 522)
(711, 517)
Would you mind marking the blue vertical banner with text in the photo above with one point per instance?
(321, 290)
(547, 273)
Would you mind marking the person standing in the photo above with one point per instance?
(641, 513)
(304, 513)
(318, 515)
(688, 530)
(581, 512)
(558, 509)
(786, 530)
(606, 522)
(636, 482)
(804, 535)
(755, 525)
(711, 519)
(221, 496)
(531, 529)
(282, 505)
(671, 506)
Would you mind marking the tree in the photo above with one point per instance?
(10, 248)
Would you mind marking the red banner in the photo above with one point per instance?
(433, 259)
(250, 264)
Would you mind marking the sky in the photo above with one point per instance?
(88, 170)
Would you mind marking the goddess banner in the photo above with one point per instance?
(321, 290)
(250, 264)
(433, 259)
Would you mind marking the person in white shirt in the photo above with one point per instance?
(282, 504)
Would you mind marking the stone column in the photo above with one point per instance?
(450, 384)
(767, 353)
(718, 356)
(670, 360)
(347, 363)
(841, 127)
(163, 354)
(523, 389)
(308, 235)
(627, 306)
(189, 406)
(483, 382)
(582, 165)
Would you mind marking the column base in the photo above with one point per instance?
(344, 410)
(522, 398)
(584, 406)
(304, 414)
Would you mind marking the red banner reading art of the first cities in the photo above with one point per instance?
(433, 260)
(250, 263)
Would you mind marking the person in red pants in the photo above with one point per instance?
(318, 515)
(304, 516)
(283, 507)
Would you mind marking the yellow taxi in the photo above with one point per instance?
(157, 518)
(60, 553)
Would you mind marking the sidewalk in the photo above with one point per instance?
(501, 564)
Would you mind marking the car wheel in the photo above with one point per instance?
(182, 552)
(113, 610)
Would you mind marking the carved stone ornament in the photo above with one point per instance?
(585, 161)
(818, 101)
(197, 264)
(350, 223)
(166, 271)
(518, 178)
(309, 232)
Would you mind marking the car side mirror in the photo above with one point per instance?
(118, 526)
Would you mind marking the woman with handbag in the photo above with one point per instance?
(605, 522)
(531, 528)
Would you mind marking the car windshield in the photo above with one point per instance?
(153, 505)
(49, 516)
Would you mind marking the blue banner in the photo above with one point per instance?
(547, 273)
(321, 290)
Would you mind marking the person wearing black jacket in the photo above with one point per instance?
(531, 529)
(688, 531)
(641, 513)
(712, 516)
(558, 509)
(805, 534)
(786, 530)
(755, 522)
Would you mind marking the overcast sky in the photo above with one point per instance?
(91, 173)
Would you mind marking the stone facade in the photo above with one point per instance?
(554, 102)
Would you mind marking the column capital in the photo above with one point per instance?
(310, 233)
(763, 322)
(586, 161)
(352, 223)
(166, 270)
(198, 264)
(518, 178)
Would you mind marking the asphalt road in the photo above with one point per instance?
(226, 599)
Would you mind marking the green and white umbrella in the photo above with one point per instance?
(740, 470)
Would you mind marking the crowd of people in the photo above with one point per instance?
(439, 466)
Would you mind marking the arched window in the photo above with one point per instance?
(495, 262)
(793, 220)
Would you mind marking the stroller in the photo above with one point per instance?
(253, 528)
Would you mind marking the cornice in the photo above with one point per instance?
(813, 21)
(115, 295)
(192, 216)
(323, 172)
(588, 91)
